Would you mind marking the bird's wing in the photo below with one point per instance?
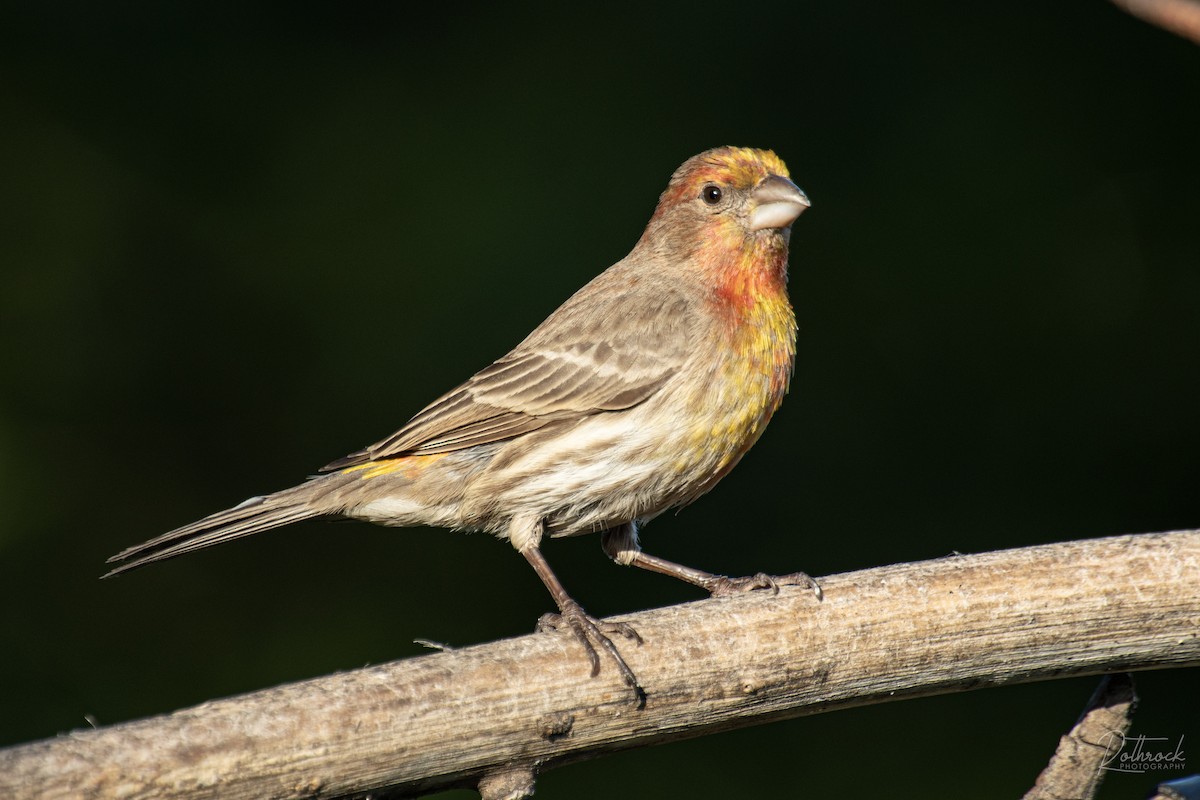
(585, 359)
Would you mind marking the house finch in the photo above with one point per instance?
(637, 395)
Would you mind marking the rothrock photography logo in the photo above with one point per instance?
(1141, 754)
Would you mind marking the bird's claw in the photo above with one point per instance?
(591, 633)
(722, 586)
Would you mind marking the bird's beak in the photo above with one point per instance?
(776, 203)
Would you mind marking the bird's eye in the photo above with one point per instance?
(712, 194)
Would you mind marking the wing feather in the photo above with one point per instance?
(587, 358)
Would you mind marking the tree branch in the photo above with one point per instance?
(1076, 769)
(1180, 17)
(496, 714)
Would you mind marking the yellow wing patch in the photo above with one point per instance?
(408, 466)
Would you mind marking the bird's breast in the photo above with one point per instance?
(744, 388)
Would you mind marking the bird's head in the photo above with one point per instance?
(729, 211)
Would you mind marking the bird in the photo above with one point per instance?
(636, 396)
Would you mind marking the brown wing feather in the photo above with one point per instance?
(586, 358)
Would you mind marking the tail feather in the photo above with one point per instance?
(252, 516)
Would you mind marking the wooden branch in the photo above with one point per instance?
(496, 714)
(1180, 17)
(1076, 769)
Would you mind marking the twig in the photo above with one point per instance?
(1180, 17)
(1074, 773)
(504, 711)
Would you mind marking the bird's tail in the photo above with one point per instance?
(252, 516)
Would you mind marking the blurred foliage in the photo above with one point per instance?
(241, 240)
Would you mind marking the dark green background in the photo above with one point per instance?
(241, 241)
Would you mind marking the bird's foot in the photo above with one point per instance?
(721, 586)
(593, 633)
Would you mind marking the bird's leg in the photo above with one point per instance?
(590, 632)
(621, 545)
